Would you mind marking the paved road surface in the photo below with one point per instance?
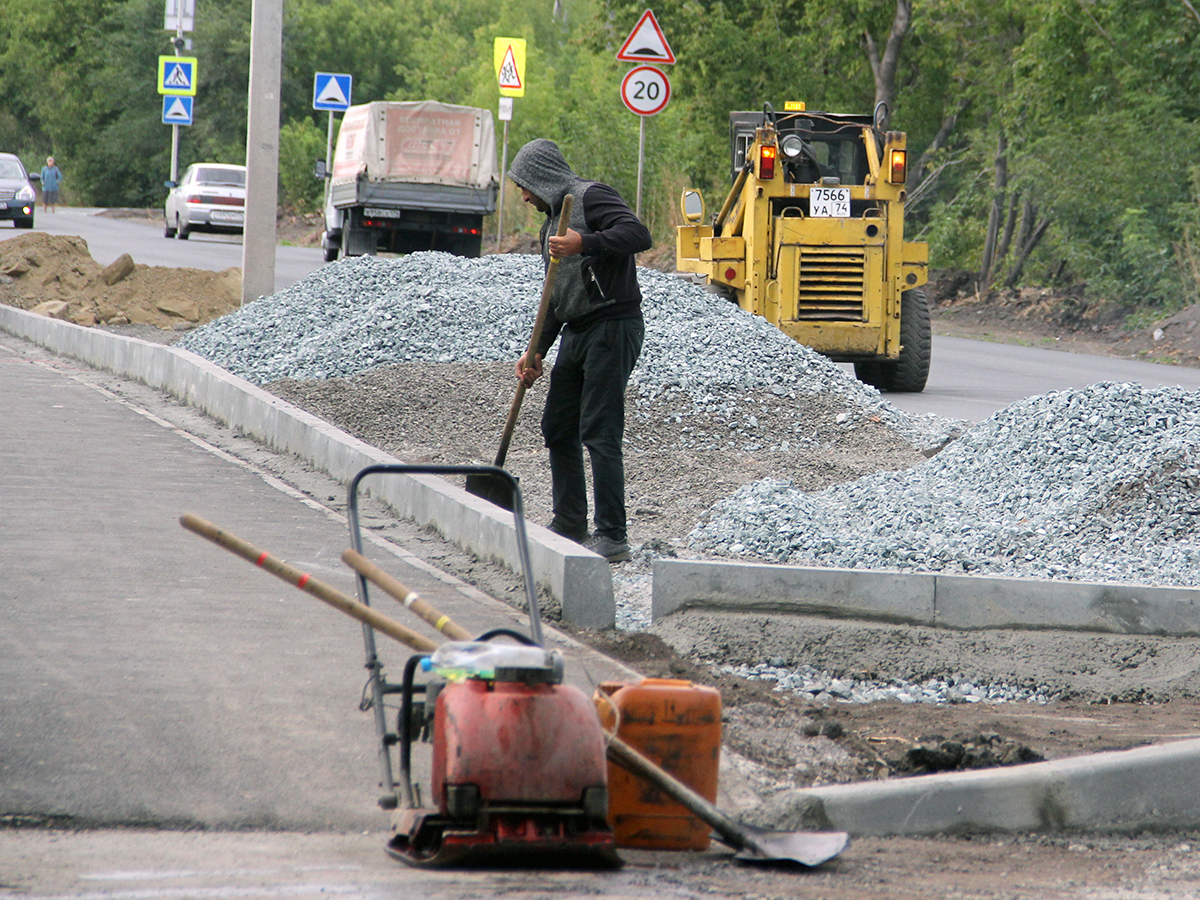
(973, 379)
(149, 677)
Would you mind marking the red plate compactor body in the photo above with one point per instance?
(519, 772)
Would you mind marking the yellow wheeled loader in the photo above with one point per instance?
(811, 238)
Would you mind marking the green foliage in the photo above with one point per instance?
(301, 144)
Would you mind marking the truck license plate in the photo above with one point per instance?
(829, 203)
(376, 212)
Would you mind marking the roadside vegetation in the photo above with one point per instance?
(1051, 141)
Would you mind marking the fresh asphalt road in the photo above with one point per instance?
(974, 379)
(149, 677)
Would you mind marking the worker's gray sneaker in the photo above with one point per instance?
(613, 551)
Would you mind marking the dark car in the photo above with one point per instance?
(17, 197)
(209, 197)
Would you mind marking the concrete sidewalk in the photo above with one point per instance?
(579, 579)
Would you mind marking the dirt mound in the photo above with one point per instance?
(56, 276)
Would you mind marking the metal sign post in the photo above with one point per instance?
(331, 91)
(506, 111)
(508, 55)
(646, 92)
(645, 89)
(179, 16)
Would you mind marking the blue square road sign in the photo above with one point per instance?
(177, 110)
(331, 91)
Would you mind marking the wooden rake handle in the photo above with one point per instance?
(409, 598)
(307, 583)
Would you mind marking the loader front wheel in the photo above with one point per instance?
(908, 373)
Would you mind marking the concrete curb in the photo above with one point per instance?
(580, 580)
(1148, 787)
(951, 601)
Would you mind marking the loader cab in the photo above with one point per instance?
(814, 146)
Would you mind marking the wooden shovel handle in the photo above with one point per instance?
(307, 583)
(409, 598)
(539, 322)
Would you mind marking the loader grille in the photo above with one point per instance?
(831, 283)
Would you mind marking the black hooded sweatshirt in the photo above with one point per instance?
(601, 282)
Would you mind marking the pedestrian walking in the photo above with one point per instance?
(51, 179)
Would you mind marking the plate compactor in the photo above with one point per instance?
(518, 770)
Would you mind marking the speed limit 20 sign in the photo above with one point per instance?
(645, 90)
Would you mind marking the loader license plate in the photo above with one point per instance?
(829, 203)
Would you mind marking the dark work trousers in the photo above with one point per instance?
(585, 407)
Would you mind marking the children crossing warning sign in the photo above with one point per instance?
(509, 57)
(646, 43)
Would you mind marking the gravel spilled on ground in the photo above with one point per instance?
(1096, 484)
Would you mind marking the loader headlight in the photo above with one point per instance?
(792, 146)
(766, 161)
(898, 167)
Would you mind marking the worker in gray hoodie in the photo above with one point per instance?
(596, 307)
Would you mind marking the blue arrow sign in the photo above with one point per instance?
(177, 110)
(331, 91)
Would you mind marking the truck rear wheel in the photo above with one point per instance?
(908, 373)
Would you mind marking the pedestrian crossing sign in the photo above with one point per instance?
(177, 75)
(508, 54)
(177, 110)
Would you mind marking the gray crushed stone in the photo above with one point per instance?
(365, 312)
(820, 686)
(1098, 484)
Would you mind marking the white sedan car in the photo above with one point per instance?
(209, 197)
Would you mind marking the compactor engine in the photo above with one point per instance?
(811, 238)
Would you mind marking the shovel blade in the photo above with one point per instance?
(491, 488)
(809, 848)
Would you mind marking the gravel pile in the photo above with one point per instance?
(365, 312)
(1099, 484)
(823, 687)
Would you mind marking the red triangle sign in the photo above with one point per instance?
(510, 76)
(646, 43)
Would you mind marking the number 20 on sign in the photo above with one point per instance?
(646, 90)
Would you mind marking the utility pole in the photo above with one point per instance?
(262, 149)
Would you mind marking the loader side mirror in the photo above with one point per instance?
(319, 170)
(691, 204)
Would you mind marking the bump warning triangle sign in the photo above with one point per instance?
(646, 43)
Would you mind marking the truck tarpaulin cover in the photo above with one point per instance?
(426, 142)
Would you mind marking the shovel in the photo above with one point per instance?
(491, 488)
(808, 848)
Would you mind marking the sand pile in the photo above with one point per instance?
(56, 276)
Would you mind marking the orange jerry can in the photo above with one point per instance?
(677, 725)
